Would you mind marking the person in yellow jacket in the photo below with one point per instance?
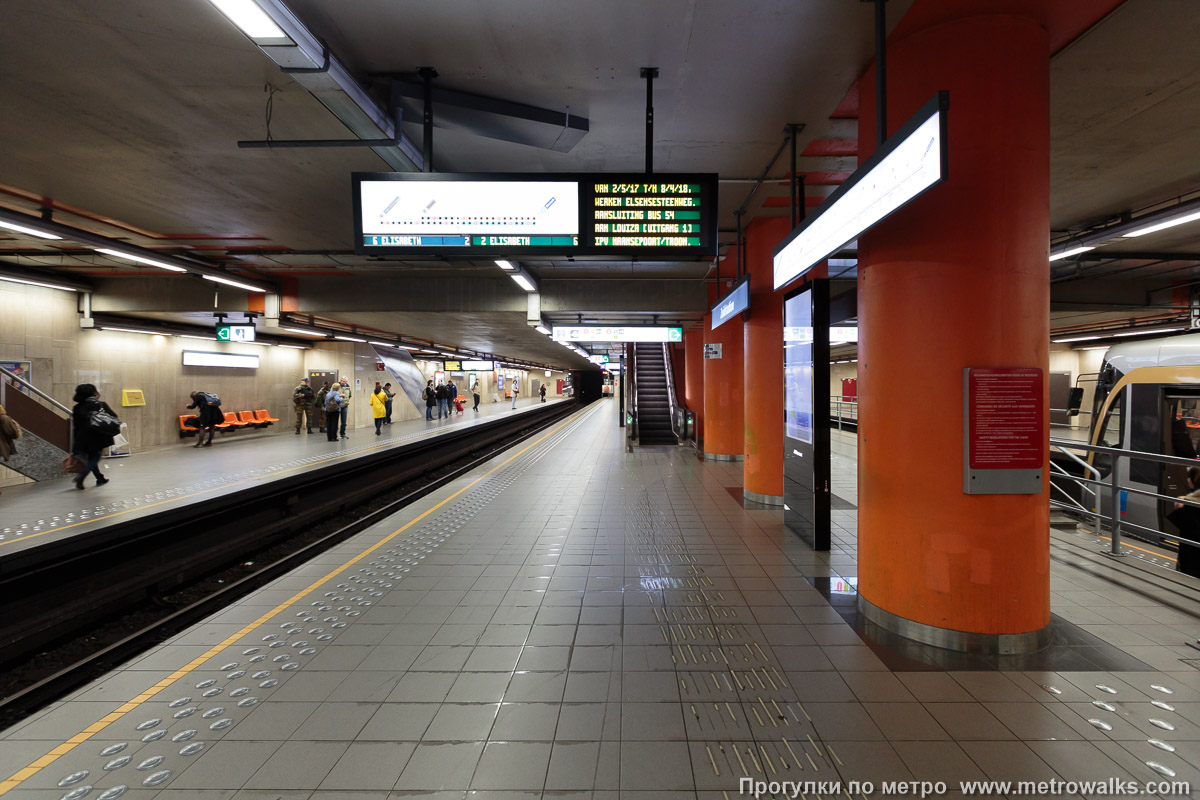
(379, 400)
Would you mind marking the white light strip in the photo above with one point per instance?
(348, 338)
(12, 226)
(1145, 331)
(132, 330)
(384, 344)
(1159, 226)
(193, 336)
(1094, 347)
(523, 282)
(249, 18)
(140, 259)
(1072, 252)
(37, 283)
(304, 332)
(502, 264)
(293, 346)
(1076, 339)
(229, 282)
(542, 329)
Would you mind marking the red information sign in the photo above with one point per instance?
(1006, 428)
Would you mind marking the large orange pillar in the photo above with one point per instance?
(724, 399)
(693, 379)
(762, 472)
(957, 279)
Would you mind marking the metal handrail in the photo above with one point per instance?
(21, 381)
(1115, 489)
(678, 424)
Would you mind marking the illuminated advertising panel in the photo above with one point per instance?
(196, 358)
(610, 333)
(912, 161)
(477, 366)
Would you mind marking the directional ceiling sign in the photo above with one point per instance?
(235, 333)
(611, 333)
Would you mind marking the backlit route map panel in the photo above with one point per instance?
(505, 215)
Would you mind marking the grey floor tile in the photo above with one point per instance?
(479, 687)
(225, 765)
(938, 761)
(526, 722)
(968, 721)
(655, 722)
(369, 766)
(536, 687)
(395, 722)
(652, 766)
(905, 722)
(573, 765)
(934, 687)
(437, 766)
(423, 687)
(462, 722)
(493, 659)
(512, 765)
(1009, 761)
(271, 721)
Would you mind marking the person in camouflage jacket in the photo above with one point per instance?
(303, 398)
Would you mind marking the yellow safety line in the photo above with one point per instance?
(1144, 550)
(219, 488)
(26, 772)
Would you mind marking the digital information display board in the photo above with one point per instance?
(552, 214)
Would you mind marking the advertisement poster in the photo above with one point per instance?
(22, 369)
(798, 370)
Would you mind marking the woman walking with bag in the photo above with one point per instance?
(95, 425)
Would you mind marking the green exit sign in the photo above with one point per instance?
(235, 333)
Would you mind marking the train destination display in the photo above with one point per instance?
(512, 215)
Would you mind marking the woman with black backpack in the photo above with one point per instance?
(95, 426)
(208, 415)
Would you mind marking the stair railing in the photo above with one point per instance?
(679, 412)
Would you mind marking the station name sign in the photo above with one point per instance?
(616, 334)
(668, 215)
(908, 164)
(735, 301)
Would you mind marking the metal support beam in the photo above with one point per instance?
(649, 73)
(796, 205)
(427, 75)
(880, 72)
(739, 246)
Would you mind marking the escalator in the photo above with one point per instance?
(46, 427)
(653, 395)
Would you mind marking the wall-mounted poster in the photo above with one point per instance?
(22, 369)
(500, 383)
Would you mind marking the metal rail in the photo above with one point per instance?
(26, 384)
(1115, 489)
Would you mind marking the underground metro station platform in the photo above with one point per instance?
(759, 399)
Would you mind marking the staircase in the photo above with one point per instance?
(46, 427)
(653, 405)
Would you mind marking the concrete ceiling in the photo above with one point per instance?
(127, 125)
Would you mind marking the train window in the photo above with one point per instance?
(1145, 432)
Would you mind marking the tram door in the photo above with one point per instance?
(1180, 437)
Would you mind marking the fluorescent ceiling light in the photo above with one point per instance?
(12, 226)
(132, 330)
(384, 344)
(523, 282)
(140, 259)
(250, 19)
(1074, 251)
(293, 346)
(542, 329)
(194, 336)
(1145, 331)
(348, 338)
(502, 264)
(305, 332)
(1076, 339)
(1095, 347)
(229, 282)
(38, 283)
(1159, 226)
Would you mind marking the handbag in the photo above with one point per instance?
(72, 464)
(104, 423)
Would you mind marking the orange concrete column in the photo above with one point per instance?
(724, 399)
(762, 473)
(958, 279)
(693, 379)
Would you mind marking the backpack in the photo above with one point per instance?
(331, 402)
(212, 398)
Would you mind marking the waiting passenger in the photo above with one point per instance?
(1187, 519)
(208, 414)
(378, 408)
(451, 398)
(516, 390)
(333, 407)
(430, 396)
(319, 408)
(95, 425)
(387, 389)
(303, 398)
(344, 409)
(543, 391)
(442, 394)
(475, 392)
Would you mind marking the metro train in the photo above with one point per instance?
(1147, 398)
